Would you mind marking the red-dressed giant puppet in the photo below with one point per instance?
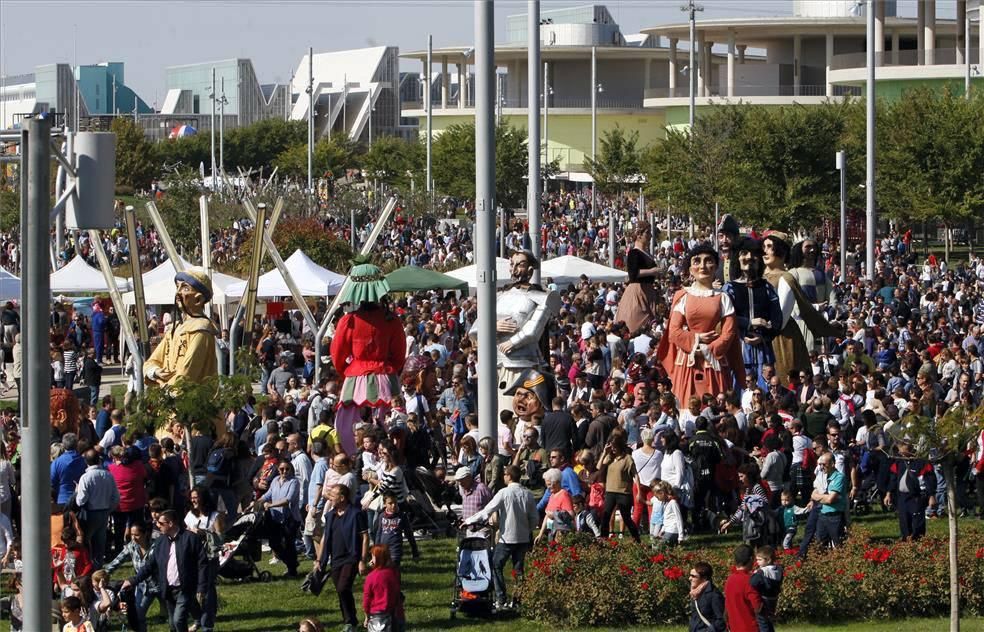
(368, 351)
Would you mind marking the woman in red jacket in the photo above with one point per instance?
(130, 474)
(381, 600)
(368, 349)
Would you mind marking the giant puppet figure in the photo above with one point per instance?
(803, 260)
(701, 351)
(790, 346)
(187, 349)
(368, 350)
(522, 311)
(757, 309)
(728, 231)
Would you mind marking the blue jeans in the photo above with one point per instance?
(504, 552)
(181, 606)
(811, 530)
(137, 606)
(93, 395)
(830, 528)
(264, 379)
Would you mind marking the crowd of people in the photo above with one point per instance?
(741, 388)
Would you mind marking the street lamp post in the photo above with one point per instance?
(533, 206)
(980, 62)
(871, 220)
(212, 95)
(222, 104)
(842, 167)
(547, 91)
(692, 9)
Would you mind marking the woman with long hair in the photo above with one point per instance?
(207, 523)
(621, 477)
(389, 478)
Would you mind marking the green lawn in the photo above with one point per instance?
(278, 606)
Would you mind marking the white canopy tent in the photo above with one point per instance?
(10, 286)
(568, 269)
(468, 273)
(163, 271)
(161, 292)
(311, 280)
(79, 277)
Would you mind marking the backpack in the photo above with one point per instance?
(705, 455)
(809, 462)
(219, 464)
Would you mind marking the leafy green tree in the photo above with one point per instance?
(931, 157)
(9, 210)
(454, 163)
(135, 166)
(618, 162)
(186, 154)
(391, 158)
(259, 144)
(335, 156)
(308, 234)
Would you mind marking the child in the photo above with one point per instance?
(767, 582)
(787, 516)
(671, 530)
(71, 612)
(584, 520)
(656, 515)
(388, 528)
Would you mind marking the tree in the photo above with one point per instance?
(390, 159)
(931, 157)
(135, 165)
(335, 155)
(942, 440)
(259, 144)
(453, 155)
(307, 234)
(618, 162)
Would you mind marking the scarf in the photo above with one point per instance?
(695, 592)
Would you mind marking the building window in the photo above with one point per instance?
(97, 89)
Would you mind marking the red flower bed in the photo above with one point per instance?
(618, 584)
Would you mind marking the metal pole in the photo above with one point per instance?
(546, 120)
(139, 304)
(222, 102)
(429, 108)
(692, 70)
(502, 232)
(842, 167)
(352, 225)
(310, 138)
(967, 26)
(488, 416)
(36, 429)
(212, 131)
(871, 223)
(717, 220)
(533, 207)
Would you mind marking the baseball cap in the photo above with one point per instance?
(462, 473)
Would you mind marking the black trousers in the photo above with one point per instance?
(622, 502)
(912, 515)
(343, 577)
(281, 536)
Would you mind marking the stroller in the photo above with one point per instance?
(242, 550)
(473, 591)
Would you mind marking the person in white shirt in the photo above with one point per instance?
(518, 520)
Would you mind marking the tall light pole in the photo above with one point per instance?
(222, 104)
(692, 9)
(310, 138)
(967, 25)
(213, 96)
(485, 217)
(842, 167)
(546, 121)
(870, 219)
(427, 106)
(533, 207)
(371, 110)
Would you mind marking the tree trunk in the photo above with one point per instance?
(946, 244)
(949, 473)
(187, 446)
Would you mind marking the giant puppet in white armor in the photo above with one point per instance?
(522, 312)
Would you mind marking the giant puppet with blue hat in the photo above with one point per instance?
(187, 349)
(368, 350)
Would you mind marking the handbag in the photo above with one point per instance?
(380, 623)
(373, 501)
(314, 581)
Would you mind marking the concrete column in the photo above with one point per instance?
(741, 53)
(731, 63)
(673, 65)
(461, 85)
(708, 69)
(797, 53)
(920, 33)
(980, 38)
(700, 64)
(895, 48)
(648, 75)
(424, 78)
(445, 83)
(961, 29)
(879, 32)
(830, 60)
(929, 32)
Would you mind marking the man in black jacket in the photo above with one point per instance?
(706, 601)
(558, 430)
(180, 566)
(912, 484)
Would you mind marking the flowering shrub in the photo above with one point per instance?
(579, 583)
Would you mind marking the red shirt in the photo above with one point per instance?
(369, 341)
(130, 479)
(741, 601)
(381, 592)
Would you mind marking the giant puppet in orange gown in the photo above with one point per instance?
(700, 350)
